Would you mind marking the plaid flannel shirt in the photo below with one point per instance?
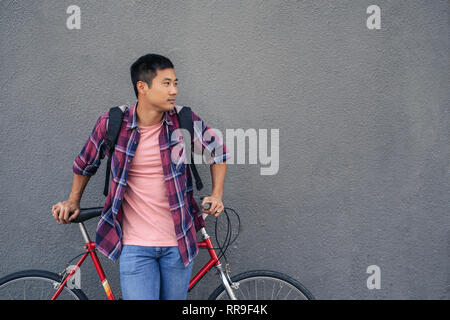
(186, 214)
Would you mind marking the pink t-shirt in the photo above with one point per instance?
(147, 220)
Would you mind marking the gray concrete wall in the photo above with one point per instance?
(363, 117)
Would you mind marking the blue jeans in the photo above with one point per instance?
(153, 273)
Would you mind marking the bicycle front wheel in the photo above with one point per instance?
(35, 285)
(264, 285)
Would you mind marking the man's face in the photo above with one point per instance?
(163, 92)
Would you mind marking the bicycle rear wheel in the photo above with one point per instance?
(35, 285)
(264, 285)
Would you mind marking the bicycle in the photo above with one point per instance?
(244, 286)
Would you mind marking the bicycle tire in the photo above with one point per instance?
(47, 277)
(221, 293)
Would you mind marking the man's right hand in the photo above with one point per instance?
(66, 211)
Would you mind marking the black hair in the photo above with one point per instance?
(144, 69)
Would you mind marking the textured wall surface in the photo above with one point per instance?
(363, 117)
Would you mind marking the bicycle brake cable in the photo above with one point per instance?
(227, 241)
(224, 246)
(80, 255)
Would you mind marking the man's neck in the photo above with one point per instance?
(146, 115)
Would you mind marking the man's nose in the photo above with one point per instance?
(173, 90)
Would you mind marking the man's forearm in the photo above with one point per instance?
(218, 172)
(79, 183)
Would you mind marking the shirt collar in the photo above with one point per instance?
(167, 118)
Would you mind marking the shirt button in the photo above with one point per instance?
(128, 160)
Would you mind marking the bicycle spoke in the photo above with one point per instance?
(24, 289)
(33, 288)
(240, 293)
(278, 292)
(248, 290)
(273, 289)
(264, 289)
(42, 292)
(49, 295)
(9, 294)
(287, 294)
(267, 287)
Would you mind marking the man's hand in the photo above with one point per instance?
(216, 205)
(62, 210)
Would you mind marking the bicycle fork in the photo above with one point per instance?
(228, 284)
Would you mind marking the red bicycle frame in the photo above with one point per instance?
(90, 250)
(213, 261)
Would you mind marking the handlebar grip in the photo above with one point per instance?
(88, 213)
(207, 205)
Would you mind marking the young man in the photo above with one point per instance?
(150, 217)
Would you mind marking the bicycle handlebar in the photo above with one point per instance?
(89, 213)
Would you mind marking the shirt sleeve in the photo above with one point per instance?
(88, 161)
(209, 141)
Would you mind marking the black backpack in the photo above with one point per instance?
(114, 124)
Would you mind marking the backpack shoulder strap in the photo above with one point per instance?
(114, 124)
(185, 118)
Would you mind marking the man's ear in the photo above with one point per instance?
(142, 87)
